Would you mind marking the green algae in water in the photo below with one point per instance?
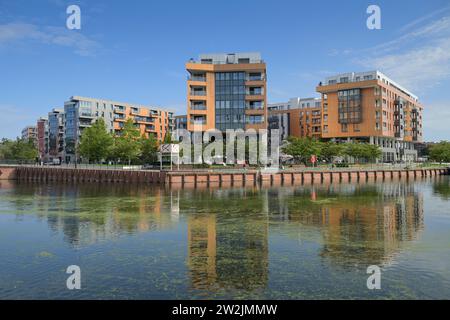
(305, 242)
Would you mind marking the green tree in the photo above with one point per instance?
(371, 152)
(302, 148)
(440, 152)
(330, 149)
(354, 150)
(127, 144)
(18, 149)
(362, 151)
(148, 148)
(95, 142)
(168, 138)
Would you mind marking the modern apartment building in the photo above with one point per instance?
(29, 133)
(181, 122)
(370, 107)
(82, 112)
(226, 91)
(298, 117)
(56, 134)
(42, 138)
(150, 120)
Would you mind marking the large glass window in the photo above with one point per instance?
(349, 108)
(230, 100)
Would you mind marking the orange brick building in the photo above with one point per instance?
(370, 107)
(297, 117)
(226, 91)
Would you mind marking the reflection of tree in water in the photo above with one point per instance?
(441, 187)
(92, 211)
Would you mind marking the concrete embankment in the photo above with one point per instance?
(193, 178)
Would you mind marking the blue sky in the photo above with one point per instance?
(134, 51)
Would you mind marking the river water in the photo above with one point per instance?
(303, 242)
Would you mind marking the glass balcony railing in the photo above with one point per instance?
(254, 107)
(197, 78)
(198, 121)
(198, 93)
(255, 77)
(198, 107)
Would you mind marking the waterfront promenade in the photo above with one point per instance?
(233, 177)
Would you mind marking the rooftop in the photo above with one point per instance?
(115, 103)
(366, 76)
(229, 58)
(295, 103)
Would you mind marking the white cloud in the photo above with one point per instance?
(416, 69)
(433, 30)
(20, 32)
(419, 60)
(423, 18)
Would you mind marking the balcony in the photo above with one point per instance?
(119, 109)
(86, 115)
(255, 92)
(198, 121)
(144, 119)
(198, 107)
(197, 78)
(254, 106)
(85, 124)
(198, 93)
(255, 77)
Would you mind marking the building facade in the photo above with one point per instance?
(298, 117)
(29, 133)
(149, 120)
(226, 91)
(42, 138)
(82, 112)
(370, 107)
(56, 135)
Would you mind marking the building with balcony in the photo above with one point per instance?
(226, 91)
(56, 134)
(29, 133)
(370, 107)
(82, 112)
(149, 120)
(299, 117)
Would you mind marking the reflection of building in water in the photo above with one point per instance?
(229, 255)
(88, 213)
(359, 224)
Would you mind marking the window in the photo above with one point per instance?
(230, 101)
(349, 106)
(254, 119)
